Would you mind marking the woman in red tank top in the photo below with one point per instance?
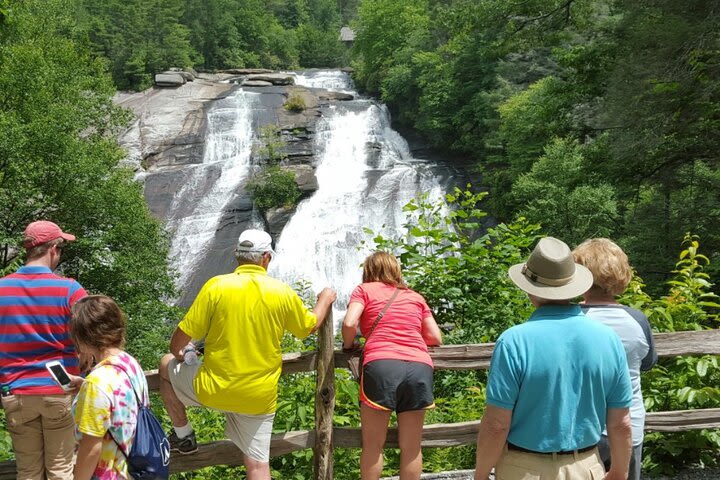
(397, 370)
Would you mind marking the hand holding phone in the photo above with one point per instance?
(60, 375)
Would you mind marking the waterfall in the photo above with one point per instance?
(197, 207)
(366, 174)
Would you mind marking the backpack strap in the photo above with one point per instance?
(139, 404)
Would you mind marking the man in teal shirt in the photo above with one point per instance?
(555, 382)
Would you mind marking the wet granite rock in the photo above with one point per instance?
(276, 218)
(305, 178)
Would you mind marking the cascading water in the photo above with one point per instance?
(335, 80)
(366, 174)
(198, 206)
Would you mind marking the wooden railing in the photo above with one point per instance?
(325, 437)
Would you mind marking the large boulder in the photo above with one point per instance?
(340, 96)
(169, 79)
(305, 178)
(189, 74)
(274, 78)
(276, 218)
(256, 83)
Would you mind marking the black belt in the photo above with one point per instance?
(512, 446)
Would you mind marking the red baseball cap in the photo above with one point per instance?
(43, 231)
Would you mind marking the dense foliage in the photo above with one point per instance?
(274, 187)
(59, 160)
(143, 37)
(591, 117)
(465, 281)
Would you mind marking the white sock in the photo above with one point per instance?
(183, 431)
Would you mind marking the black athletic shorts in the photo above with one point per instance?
(398, 385)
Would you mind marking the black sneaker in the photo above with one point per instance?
(183, 446)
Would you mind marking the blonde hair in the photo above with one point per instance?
(607, 262)
(382, 267)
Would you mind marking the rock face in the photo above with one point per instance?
(170, 124)
(276, 218)
(305, 178)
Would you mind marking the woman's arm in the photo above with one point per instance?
(350, 323)
(431, 332)
(88, 456)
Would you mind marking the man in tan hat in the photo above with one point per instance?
(555, 382)
(34, 315)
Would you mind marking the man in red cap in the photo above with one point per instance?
(34, 314)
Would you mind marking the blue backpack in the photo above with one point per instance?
(149, 457)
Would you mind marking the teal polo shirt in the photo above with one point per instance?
(559, 373)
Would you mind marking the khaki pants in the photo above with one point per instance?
(515, 465)
(43, 435)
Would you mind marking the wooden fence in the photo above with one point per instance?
(325, 436)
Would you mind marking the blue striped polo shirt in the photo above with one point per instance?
(34, 316)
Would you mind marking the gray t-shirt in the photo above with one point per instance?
(633, 328)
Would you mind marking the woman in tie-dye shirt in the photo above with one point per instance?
(106, 406)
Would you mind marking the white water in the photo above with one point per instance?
(335, 80)
(226, 163)
(366, 174)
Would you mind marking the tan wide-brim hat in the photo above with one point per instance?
(550, 272)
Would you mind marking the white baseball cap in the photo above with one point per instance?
(256, 241)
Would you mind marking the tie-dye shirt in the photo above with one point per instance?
(106, 405)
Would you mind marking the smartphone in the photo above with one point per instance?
(59, 374)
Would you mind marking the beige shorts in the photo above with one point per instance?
(514, 465)
(250, 433)
(42, 430)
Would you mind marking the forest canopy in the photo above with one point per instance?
(591, 117)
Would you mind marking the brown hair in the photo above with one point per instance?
(97, 322)
(39, 250)
(382, 267)
(607, 262)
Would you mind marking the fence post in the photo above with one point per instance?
(325, 402)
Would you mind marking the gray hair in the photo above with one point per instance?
(245, 258)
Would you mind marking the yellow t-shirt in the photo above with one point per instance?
(242, 316)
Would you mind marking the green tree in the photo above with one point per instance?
(59, 161)
(557, 194)
(139, 38)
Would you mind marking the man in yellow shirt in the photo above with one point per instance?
(242, 317)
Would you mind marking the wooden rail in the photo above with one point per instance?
(451, 357)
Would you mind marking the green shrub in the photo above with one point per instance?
(274, 187)
(271, 146)
(463, 278)
(681, 383)
(295, 103)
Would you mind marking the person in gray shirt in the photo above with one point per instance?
(611, 276)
